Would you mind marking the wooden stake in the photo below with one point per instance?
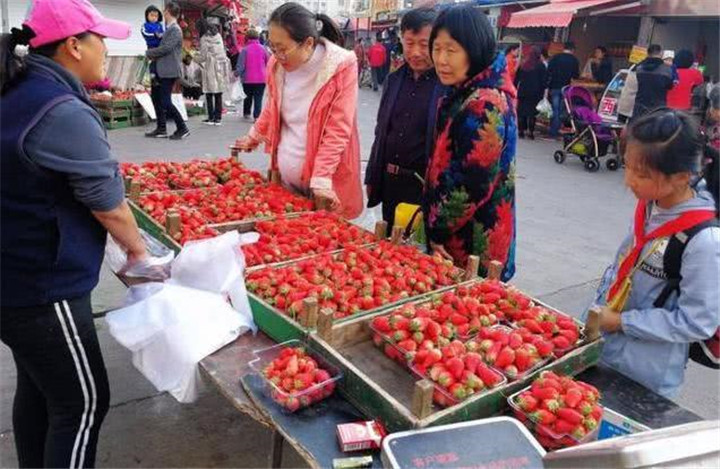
(471, 270)
(422, 398)
(127, 180)
(397, 234)
(592, 325)
(172, 222)
(235, 153)
(325, 325)
(310, 313)
(381, 230)
(134, 191)
(495, 270)
(274, 176)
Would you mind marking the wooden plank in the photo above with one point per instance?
(422, 398)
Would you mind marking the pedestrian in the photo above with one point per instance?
(668, 56)
(168, 58)
(562, 69)
(601, 66)
(215, 67)
(191, 80)
(469, 196)
(648, 334)
(512, 57)
(405, 121)
(251, 67)
(679, 97)
(360, 54)
(530, 83)
(152, 31)
(310, 121)
(628, 93)
(61, 194)
(655, 79)
(376, 58)
(712, 120)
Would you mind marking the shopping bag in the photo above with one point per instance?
(236, 91)
(544, 108)
(155, 267)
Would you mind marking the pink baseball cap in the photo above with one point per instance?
(53, 20)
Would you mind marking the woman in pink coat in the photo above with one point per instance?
(310, 121)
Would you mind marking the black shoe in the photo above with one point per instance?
(208, 121)
(521, 134)
(180, 134)
(157, 133)
(217, 122)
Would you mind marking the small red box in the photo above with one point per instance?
(359, 436)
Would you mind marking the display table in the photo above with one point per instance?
(312, 431)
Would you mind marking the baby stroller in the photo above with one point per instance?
(590, 138)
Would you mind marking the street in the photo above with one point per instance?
(570, 222)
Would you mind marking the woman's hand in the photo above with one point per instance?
(440, 249)
(326, 199)
(246, 144)
(610, 320)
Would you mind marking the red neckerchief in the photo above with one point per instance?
(681, 223)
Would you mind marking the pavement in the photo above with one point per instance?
(570, 223)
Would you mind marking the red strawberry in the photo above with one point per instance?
(382, 324)
(400, 335)
(597, 413)
(407, 345)
(489, 377)
(516, 340)
(435, 372)
(527, 402)
(563, 427)
(492, 354)
(458, 319)
(292, 366)
(552, 405)
(561, 342)
(505, 357)
(572, 397)
(455, 366)
(590, 423)
(511, 371)
(419, 324)
(543, 416)
(532, 325)
(579, 432)
(292, 404)
(544, 348)
(472, 360)
(571, 335)
(545, 393)
(445, 379)
(458, 391)
(585, 408)
(474, 383)
(433, 330)
(321, 375)
(570, 415)
(303, 381)
(522, 359)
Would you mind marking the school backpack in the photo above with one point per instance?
(707, 352)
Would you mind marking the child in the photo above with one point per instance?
(152, 31)
(712, 120)
(647, 338)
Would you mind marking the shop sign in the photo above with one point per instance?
(637, 54)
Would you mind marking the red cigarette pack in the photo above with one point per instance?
(359, 436)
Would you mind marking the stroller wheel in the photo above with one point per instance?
(612, 164)
(559, 157)
(592, 164)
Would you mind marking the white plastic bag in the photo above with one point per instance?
(544, 108)
(236, 91)
(171, 326)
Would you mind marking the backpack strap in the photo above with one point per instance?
(672, 259)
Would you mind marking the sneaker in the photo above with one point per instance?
(208, 122)
(180, 134)
(157, 133)
(217, 122)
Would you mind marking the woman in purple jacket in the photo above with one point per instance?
(251, 67)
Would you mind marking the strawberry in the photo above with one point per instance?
(544, 348)
(473, 382)
(292, 404)
(458, 391)
(572, 397)
(522, 359)
(505, 357)
(543, 416)
(511, 371)
(419, 324)
(597, 413)
(321, 375)
(545, 393)
(435, 372)
(489, 377)
(515, 341)
(552, 405)
(472, 361)
(445, 379)
(561, 342)
(455, 366)
(292, 366)
(590, 423)
(418, 337)
(492, 354)
(578, 433)
(303, 381)
(585, 408)
(400, 335)
(407, 345)
(382, 324)
(563, 427)
(527, 402)
(570, 415)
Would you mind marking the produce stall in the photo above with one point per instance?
(356, 327)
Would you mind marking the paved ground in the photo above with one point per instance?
(569, 225)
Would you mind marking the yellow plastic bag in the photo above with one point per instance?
(404, 214)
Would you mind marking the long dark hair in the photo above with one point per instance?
(152, 8)
(204, 27)
(301, 23)
(532, 59)
(14, 66)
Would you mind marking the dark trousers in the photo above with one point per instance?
(377, 78)
(253, 99)
(62, 391)
(396, 190)
(526, 123)
(161, 94)
(214, 106)
(192, 93)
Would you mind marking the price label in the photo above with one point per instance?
(607, 106)
(637, 54)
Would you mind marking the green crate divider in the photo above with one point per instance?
(120, 124)
(278, 326)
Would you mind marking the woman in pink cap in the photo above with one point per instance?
(61, 194)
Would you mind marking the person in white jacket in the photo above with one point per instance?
(215, 66)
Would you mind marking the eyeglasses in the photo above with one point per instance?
(283, 55)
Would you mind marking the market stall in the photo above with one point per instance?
(359, 328)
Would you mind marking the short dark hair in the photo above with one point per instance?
(471, 29)
(670, 139)
(684, 59)
(252, 34)
(569, 45)
(654, 49)
(417, 18)
(511, 48)
(173, 8)
(602, 49)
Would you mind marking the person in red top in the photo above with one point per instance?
(512, 56)
(376, 57)
(679, 97)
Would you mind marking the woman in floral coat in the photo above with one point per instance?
(469, 198)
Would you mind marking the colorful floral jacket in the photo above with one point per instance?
(469, 198)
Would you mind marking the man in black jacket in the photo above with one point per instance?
(562, 69)
(405, 122)
(654, 79)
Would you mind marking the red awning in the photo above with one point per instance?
(557, 14)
